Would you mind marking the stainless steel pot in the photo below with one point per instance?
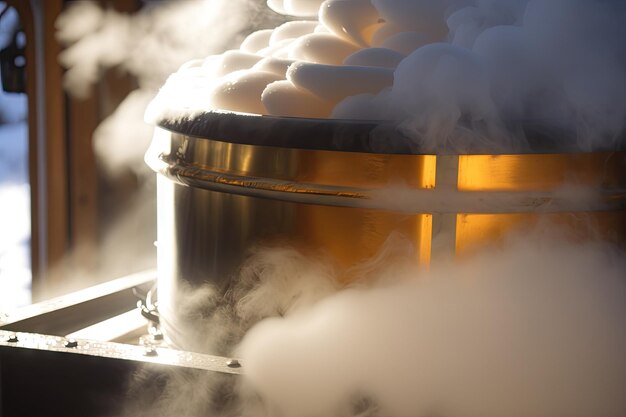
(227, 182)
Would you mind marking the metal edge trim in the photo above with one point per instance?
(143, 354)
(417, 201)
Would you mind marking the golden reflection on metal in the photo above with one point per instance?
(425, 231)
(352, 234)
(365, 170)
(476, 230)
(541, 172)
(344, 169)
(349, 235)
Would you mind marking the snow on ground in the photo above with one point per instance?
(15, 273)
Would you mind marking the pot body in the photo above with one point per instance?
(217, 200)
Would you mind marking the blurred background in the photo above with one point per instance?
(60, 209)
(77, 202)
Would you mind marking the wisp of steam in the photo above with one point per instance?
(149, 44)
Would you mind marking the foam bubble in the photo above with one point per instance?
(335, 83)
(292, 30)
(352, 20)
(321, 48)
(282, 98)
(241, 91)
(256, 41)
(375, 57)
(303, 8)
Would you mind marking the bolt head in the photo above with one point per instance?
(71, 343)
(155, 333)
(150, 351)
(233, 363)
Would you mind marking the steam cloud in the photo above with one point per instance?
(149, 44)
(533, 328)
(557, 61)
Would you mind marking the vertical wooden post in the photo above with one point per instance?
(56, 184)
(47, 144)
(62, 166)
(83, 183)
(27, 19)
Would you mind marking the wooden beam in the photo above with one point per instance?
(56, 150)
(47, 143)
(27, 20)
(83, 182)
(62, 165)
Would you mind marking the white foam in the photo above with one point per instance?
(421, 16)
(335, 83)
(241, 91)
(481, 62)
(352, 20)
(256, 41)
(375, 57)
(322, 48)
(405, 42)
(280, 49)
(302, 8)
(282, 98)
(231, 61)
(276, 66)
(292, 30)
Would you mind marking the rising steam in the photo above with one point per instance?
(537, 330)
(149, 44)
(559, 61)
(534, 328)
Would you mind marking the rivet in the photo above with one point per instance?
(155, 333)
(12, 338)
(150, 351)
(71, 343)
(233, 363)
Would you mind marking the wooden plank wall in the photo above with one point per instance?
(63, 171)
(47, 143)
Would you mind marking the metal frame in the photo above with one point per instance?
(56, 373)
(62, 317)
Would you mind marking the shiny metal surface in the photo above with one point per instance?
(71, 312)
(158, 355)
(216, 200)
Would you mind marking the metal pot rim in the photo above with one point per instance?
(370, 136)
